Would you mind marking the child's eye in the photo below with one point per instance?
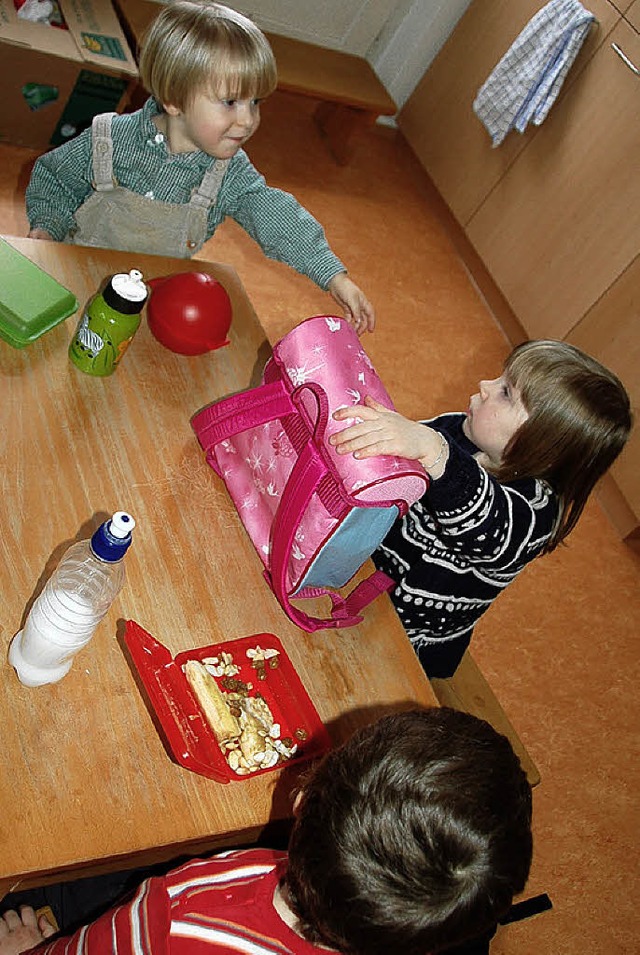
(232, 103)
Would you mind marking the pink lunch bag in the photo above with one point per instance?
(313, 515)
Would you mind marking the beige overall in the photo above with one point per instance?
(117, 218)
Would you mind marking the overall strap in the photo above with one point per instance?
(207, 192)
(102, 152)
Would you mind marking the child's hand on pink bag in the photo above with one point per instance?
(357, 308)
(379, 430)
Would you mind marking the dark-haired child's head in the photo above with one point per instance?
(413, 836)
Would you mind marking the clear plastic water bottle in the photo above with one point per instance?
(74, 600)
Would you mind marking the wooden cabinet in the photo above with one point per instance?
(438, 119)
(564, 221)
(624, 6)
(610, 332)
(633, 15)
(554, 214)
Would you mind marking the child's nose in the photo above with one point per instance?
(484, 389)
(244, 114)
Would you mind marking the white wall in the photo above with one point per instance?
(399, 38)
(349, 25)
(411, 38)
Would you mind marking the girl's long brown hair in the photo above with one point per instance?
(579, 420)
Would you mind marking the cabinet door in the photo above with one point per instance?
(623, 6)
(438, 119)
(610, 332)
(633, 16)
(564, 222)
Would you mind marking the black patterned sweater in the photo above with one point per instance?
(458, 547)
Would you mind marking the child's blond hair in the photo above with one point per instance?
(194, 46)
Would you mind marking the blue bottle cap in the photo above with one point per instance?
(111, 540)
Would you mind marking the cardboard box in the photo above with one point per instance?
(54, 80)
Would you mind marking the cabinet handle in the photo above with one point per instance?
(625, 58)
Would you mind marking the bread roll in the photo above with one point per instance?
(211, 699)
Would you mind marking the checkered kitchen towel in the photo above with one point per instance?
(524, 85)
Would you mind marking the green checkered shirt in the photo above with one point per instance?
(284, 230)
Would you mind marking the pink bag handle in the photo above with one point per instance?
(305, 477)
(237, 413)
(243, 411)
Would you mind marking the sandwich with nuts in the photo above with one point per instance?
(243, 725)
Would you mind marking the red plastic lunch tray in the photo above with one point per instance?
(189, 735)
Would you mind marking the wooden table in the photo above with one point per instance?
(86, 783)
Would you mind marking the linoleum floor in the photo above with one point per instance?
(559, 647)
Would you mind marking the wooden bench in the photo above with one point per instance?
(467, 690)
(351, 95)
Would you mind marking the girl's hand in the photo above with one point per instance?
(21, 931)
(357, 309)
(382, 431)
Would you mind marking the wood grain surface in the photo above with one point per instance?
(87, 783)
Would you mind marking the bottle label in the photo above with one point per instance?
(100, 340)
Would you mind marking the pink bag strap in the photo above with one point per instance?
(304, 479)
(310, 473)
(237, 413)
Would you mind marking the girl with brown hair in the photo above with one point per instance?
(509, 480)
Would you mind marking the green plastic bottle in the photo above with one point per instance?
(108, 324)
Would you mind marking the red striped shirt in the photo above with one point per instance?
(222, 905)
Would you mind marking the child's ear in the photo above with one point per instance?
(297, 801)
(171, 110)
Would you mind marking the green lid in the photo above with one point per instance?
(31, 301)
